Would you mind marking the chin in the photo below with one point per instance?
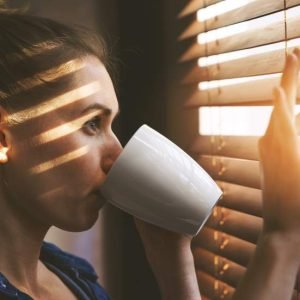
(80, 224)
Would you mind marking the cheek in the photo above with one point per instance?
(50, 167)
(71, 164)
(74, 178)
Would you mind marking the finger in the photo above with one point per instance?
(283, 117)
(269, 130)
(289, 80)
(281, 121)
(281, 136)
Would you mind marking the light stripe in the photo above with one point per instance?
(55, 103)
(43, 167)
(51, 74)
(62, 130)
(241, 54)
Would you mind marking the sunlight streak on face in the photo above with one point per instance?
(57, 102)
(64, 69)
(62, 130)
(43, 167)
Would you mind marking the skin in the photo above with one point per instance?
(273, 270)
(52, 165)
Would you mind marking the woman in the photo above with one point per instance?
(56, 147)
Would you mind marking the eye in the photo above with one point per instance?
(93, 125)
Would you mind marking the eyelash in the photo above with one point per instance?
(95, 120)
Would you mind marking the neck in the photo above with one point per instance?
(21, 240)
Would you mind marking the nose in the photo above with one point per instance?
(112, 151)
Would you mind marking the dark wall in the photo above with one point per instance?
(142, 65)
(142, 100)
(148, 51)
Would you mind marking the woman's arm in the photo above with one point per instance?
(273, 270)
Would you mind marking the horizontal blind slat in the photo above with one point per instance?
(241, 64)
(241, 225)
(222, 268)
(241, 198)
(243, 13)
(240, 14)
(225, 245)
(252, 10)
(244, 147)
(238, 171)
(248, 34)
(246, 91)
(219, 267)
(212, 289)
(194, 5)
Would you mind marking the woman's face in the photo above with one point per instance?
(60, 156)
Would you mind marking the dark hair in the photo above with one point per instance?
(34, 49)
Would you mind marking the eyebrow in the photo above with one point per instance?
(98, 106)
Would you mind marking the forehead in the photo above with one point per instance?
(91, 85)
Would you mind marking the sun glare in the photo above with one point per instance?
(232, 121)
(64, 69)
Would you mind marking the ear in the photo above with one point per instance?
(3, 148)
(3, 136)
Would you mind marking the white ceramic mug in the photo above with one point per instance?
(155, 181)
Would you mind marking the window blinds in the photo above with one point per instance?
(234, 53)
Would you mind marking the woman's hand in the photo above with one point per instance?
(159, 242)
(170, 257)
(280, 158)
(272, 271)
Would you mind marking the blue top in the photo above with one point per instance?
(74, 271)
